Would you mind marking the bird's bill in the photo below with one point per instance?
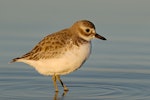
(100, 37)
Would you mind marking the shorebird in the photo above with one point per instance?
(62, 52)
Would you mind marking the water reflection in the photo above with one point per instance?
(56, 96)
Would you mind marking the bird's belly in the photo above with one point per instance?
(65, 64)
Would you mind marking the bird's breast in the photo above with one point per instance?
(72, 59)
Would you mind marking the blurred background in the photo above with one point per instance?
(117, 68)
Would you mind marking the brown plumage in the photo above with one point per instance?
(62, 52)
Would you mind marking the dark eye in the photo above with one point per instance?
(87, 30)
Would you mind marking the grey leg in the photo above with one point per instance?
(63, 85)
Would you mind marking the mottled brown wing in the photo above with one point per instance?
(52, 45)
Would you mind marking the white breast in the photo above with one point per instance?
(67, 63)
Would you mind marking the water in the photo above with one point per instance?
(24, 83)
(118, 69)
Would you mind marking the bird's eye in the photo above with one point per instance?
(87, 30)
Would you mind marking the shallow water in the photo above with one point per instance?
(118, 69)
(87, 84)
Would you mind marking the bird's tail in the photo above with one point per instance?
(14, 60)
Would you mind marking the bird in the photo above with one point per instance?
(62, 52)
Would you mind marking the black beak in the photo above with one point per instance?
(100, 37)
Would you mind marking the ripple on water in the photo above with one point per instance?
(112, 85)
(93, 85)
(113, 91)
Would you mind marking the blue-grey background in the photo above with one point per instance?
(118, 69)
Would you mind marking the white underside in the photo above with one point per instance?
(67, 63)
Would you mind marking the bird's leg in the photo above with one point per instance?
(55, 83)
(63, 85)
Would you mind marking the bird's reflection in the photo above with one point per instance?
(62, 96)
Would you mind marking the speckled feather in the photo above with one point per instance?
(53, 46)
